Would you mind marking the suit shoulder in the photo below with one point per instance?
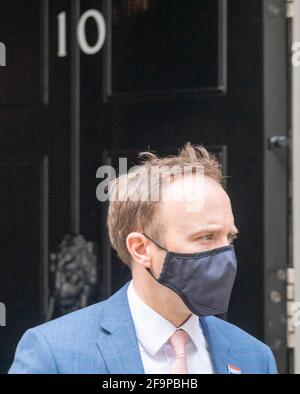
(73, 321)
(61, 344)
(240, 337)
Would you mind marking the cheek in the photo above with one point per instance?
(157, 262)
(175, 237)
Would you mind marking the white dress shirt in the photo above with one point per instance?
(153, 333)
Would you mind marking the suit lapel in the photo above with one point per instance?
(117, 340)
(219, 347)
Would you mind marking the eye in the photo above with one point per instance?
(207, 237)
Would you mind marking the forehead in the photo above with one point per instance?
(210, 204)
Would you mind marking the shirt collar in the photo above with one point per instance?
(148, 323)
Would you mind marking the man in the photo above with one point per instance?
(175, 231)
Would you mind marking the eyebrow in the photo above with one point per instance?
(213, 227)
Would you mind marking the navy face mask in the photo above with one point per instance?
(203, 280)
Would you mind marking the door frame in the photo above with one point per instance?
(296, 177)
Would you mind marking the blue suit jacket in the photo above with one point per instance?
(101, 339)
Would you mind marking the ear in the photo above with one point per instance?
(137, 246)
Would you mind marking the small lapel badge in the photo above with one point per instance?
(233, 369)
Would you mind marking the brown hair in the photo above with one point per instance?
(131, 212)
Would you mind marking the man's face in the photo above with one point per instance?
(208, 225)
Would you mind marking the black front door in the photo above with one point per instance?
(211, 72)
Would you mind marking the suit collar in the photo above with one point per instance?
(117, 340)
(118, 343)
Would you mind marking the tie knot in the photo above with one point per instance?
(178, 341)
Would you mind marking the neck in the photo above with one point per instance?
(160, 298)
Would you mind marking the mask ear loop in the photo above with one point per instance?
(157, 244)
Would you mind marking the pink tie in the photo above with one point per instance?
(178, 341)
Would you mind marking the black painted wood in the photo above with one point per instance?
(43, 118)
